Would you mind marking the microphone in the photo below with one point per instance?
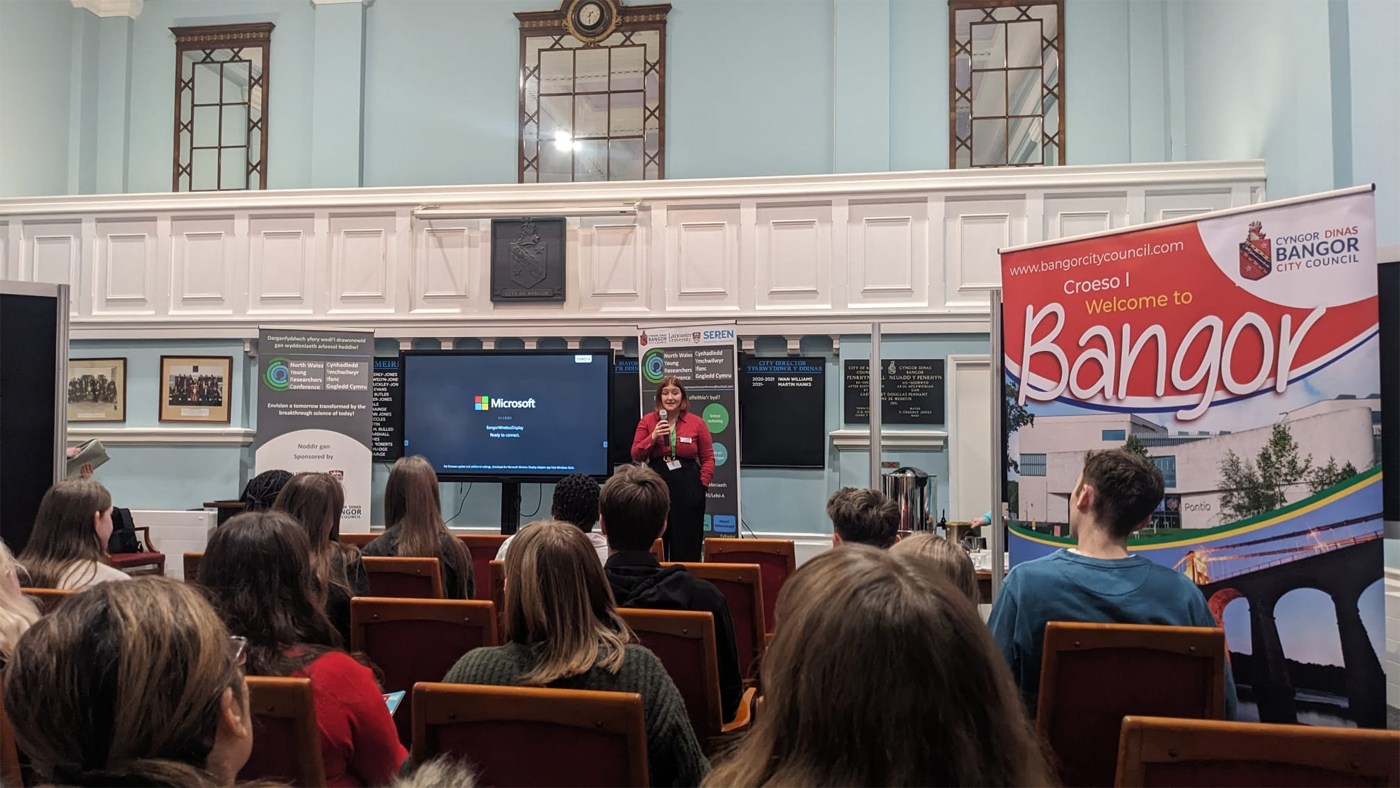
(661, 413)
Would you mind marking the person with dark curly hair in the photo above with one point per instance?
(262, 490)
(576, 503)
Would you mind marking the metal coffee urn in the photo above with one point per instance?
(911, 489)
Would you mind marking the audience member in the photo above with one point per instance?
(952, 561)
(413, 512)
(261, 491)
(881, 673)
(68, 547)
(17, 611)
(1097, 581)
(633, 506)
(315, 500)
(575, 502)
(866, 517)
(257, 570)
(563, 631)
(131, 684)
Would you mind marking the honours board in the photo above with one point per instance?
(782, 412)
(627, 409)
(912, 391)
(386, 436)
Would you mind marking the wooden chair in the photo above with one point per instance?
(149, 561)
(404, 578)
(47, 598)
(1094, 675)
(226, 510)
(358, 540)
(684, 641)
(531, 736)
(658, 549)
(286, 736)
(413, 640)
(10, 770)
(1163, 751)
(192, 562)
(742, 586)
(776, 559)
(483, 549)
(496, 571)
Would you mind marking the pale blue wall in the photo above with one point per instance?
(1375, 108)
(35, 62)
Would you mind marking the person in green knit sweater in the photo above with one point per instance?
(563, 631)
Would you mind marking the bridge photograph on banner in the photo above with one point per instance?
(1239, 352)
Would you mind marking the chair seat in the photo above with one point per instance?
(139, 563)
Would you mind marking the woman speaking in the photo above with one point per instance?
(676, 444)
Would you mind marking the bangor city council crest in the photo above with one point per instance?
(1256, 253)
(527, 256)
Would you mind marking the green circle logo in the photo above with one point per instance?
(716, 417)
(721, 454)
(653, 366)
(278, 375)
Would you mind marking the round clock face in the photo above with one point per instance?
(590, 16)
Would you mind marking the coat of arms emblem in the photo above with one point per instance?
(1256, 253)
(527, 256)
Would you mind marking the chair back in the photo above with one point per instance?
(357, 540)
(46, 599)
(192, 562)
(1163, 751)
(776, 559)
(684, 641)
(496, 570)
(396, 634)
(1094, 675)
(742, 586)
(575, 737)
(286, 736)
(483, 549)
(658, 549)
(404, 578)
(10, 772)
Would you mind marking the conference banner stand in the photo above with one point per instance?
(315, 410)
(1238, 351)
(705, 358)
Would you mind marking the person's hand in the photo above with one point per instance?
(85, 472)
(72, 452)
(663, 430)
(978, 522)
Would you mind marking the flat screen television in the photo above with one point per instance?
(484, 415)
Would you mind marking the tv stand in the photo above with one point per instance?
(510, 507)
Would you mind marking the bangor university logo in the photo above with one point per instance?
(1256, 253)
(527, 256)
(695, 337)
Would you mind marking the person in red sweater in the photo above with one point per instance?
(258, 572)
(676, 444)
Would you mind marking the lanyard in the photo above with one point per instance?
(674, 427)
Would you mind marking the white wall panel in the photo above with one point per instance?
(703, 260)
(1070, 215)
(202, 266)
(280, 265)
(793, 257)
(52, 250)
(975, 229)
(1164, 206)
(970, 436)
(613, 265)
(447, 265)
(363, 264)
(887, 255)
(8, 270)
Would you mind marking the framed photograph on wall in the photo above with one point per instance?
(96, 389)
(195, 388)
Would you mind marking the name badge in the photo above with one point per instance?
(685, 439)
(673, 465)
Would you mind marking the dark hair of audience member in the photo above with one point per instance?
(882, 673)
(65, 532)
(261, 491)
(413, 502)
(576, 501)
(951, 560)
(1127, 489)
(315, 500)
(864, 517)
(558, 600)
(633, 504)
(258, 574)
(130, 684)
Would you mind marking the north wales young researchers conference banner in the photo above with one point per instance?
(1238, 351)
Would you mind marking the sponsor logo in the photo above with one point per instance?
(725, 333)
(337, 475)
(695, 337)
(643, 340)
(488, 403)
(1256, 253)
(278, 375)
(654, 366)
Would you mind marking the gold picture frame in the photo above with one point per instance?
(196, 389)
(96, 390)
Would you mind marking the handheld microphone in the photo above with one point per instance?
(661, 413)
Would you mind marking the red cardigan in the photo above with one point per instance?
(692, 443)
(359, 743)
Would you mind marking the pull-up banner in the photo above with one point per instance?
(705, 358)
(315, 410)
(1239, 352)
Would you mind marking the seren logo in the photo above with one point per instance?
(278, 375)
(1256, 253)
(654, 365)
(487, 403)
(483, 403)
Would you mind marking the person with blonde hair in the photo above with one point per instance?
(17, 611)
(68, 546)
(882, 673)
(133, 683)
(315, 500)
(952, 561)
(564, 631)
(413, 512)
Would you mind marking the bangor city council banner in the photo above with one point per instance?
(706, 360)
(1239, 351)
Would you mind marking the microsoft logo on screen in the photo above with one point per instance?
(487, 403)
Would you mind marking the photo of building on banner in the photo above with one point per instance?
(1239, 353)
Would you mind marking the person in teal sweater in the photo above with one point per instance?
(564, 632)
(1097, 581)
